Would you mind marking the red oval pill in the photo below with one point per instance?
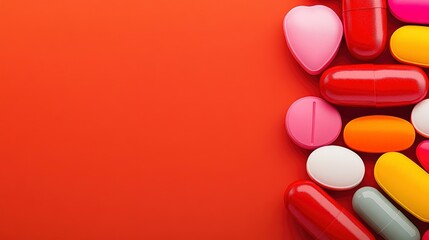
(365, 27)
(321, 215)
(369, 85)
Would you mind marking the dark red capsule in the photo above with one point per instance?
(370, 85)
(365, 27)
(321, 215)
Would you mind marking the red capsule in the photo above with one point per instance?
(321, 215)
(365, 27)
(369, 85)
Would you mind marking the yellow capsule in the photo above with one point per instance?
(410, 44)
(405, 182)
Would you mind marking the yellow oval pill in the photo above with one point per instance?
(405, 182)
(379, 134)
(410, 44)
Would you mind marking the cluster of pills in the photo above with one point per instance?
(314, 123)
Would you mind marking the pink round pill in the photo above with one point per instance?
(422, 152)
(426, 235)
(311, 122)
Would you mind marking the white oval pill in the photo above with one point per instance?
(335, 167)
(420, 118)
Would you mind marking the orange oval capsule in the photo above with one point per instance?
(379, 134)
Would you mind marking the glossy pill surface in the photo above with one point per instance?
(378, 134)
(302, 25)
(369, 85)
(365, 27)
(383, 217)
(410, 11)
(420, 118)
(422, 152)
(410, 45)
(405, 182)
(335, 167)
(321, 215)
(311, 122)
(426, 235)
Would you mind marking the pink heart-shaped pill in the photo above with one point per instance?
(313, 35)
(422, 153)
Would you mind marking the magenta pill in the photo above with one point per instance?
(426, 235)
(422, 152)
(311, 122)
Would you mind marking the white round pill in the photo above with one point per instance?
(420, 118)
(335, 167)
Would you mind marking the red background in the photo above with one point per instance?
(153, 119)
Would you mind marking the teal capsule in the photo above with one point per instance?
(382, 216)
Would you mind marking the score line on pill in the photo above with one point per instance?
(311, 122)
